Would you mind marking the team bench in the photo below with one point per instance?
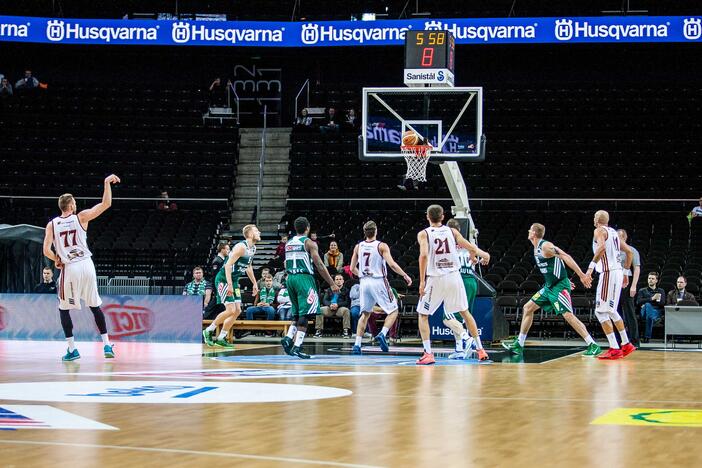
(275, 325)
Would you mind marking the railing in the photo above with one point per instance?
(306, 84)
(122, 285)
(261, 162)
(230, 90)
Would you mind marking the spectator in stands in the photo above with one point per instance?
(284, 304)
(28, 82)
(199, 286)
(650, 300)
(352, 121)
(697, 211)
(266, 273)
(280, 278)
(334, 259)
(48, 285)
(303, 121)
(165, 204)
(379, 314)
(335, 305)
(220, 259)
(331, 122)
(264, 302)
(279, 257)
(626, 301)
(679, 296)
(218, 93)
(355, 297)
(313, 238)
(5, 88)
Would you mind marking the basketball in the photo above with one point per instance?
(410, 138)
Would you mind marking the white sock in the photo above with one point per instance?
(291, 331)
(71, 344)
(478, 343)
(222, 335)
(384, 331)
(299, 338)
(459, 342)
(625, 337)
(211, 327)
(105, 339)
(522, 338)
(612, 338)
(589, 340)
(359, 339)
(427, 346)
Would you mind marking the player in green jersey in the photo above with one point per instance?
(555, 294)
(300, 254)
(227, 289)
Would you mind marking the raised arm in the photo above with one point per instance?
(385, 252)
(354, 262)
(549, 250)
(472, 248)
(88, 215)
(321, 269)
(423, 259)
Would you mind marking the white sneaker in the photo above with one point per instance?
(457, 355)
(367, 335)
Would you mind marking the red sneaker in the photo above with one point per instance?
(483, 355)
(426, 359)
(627, 349)
(611, 354)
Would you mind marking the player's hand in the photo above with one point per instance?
(335, 288)
(230, 290)
(254, 289)
(485, 260)
(59, 264)
(112, 179)
(632, 291)
(408, 280)
(626, 281)
(586, 280)
(421, 289)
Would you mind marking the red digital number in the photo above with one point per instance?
(442, 246)
(65, 235)
(427, 57)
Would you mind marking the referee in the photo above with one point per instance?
(626, 299)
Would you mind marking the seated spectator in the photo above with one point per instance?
(48, 285)
(199, 286)
(355, 297)
(696, 211)
(650, 301)
(5, 88)
(165, 204)
(331, 122)
(264, 302)
(679, 295)
(335, 305)
(379, 314)
(280, 278)
(352, 121)
(284, 304)
(334, 259)
(266, 273)
(303, 121)
(28, 82)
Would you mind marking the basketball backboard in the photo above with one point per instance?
(449, 118)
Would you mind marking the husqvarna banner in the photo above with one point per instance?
(605, 29)
(129, 318)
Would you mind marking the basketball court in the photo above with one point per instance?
(172, 404)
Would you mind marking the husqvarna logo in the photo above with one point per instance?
(310, 33)
(433, 25)
(564, 29)
(692, 29)
(180, 32)
(55, 30)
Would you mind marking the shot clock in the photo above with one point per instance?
(429, 58)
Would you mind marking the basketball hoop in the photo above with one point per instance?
(417, 157)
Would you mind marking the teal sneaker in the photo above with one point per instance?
(593, 350)
(223, 344)
(513, 347)
(295, 351)
(207, 336)
(71, 355)
(109, 353)
(287, 343)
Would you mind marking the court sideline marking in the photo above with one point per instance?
(190, 452)
(573, 400)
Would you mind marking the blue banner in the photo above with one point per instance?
(129, 318)
(606, 29)
(482, 314)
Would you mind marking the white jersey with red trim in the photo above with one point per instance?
(70, 239)
(443, 252)
(609, 261)
(371, 263)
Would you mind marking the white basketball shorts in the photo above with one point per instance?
(609, 287)
(78, 281)
(377, 291)
(448, 290)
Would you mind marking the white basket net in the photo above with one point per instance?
(417, 157)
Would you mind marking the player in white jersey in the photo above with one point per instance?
(607, 247)
(440, 281)
(368, 262)
(68, 234)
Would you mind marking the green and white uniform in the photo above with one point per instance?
(302, 288)
(555, 294)
(238, 270)
(470, 283)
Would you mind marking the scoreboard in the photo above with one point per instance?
(429, 58)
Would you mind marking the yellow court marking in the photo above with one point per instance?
(652, 417)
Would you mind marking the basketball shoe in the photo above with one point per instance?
(295, 351)
(513, 346)
(593, 350)
(426, 359)
(71, 355)
(627, 349)
(223, 343)
(287, 343)
(356, 350)
(382, 342)
(207, 336)
(457, 355)
(611, 354)
(108, 351)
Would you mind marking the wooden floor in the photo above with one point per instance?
(500, 414)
